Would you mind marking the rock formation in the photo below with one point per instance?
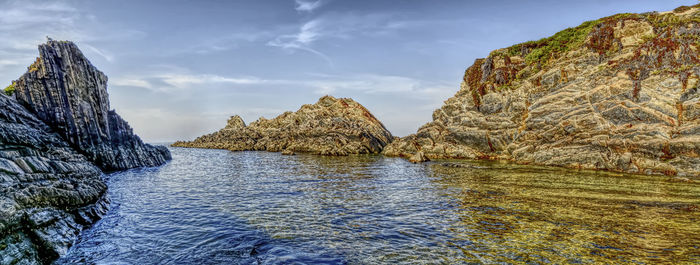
(70, 95)
(619, 93)
(55, 135)
(329, 127)
(48, 191)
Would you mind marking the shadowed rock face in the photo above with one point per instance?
(619, 93)
(54, 138)
(48, 191)
(70, 95)
(329, 127)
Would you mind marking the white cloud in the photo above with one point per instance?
(25, 24)
(308, 33)
(130, 82)
(336, 26)
(321, 84)
(380, 84)
(186, 81)
(107, 56)
(307, 6)
(223, 43)
(10, 62)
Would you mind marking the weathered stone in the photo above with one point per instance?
(70, 95)
(418, 157)
(41, 197)
(51, 136)
(623, 99)
(329, 127)
(288, 152)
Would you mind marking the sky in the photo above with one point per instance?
(178, 69)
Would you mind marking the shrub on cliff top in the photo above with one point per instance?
(10, 90)
(566, 40)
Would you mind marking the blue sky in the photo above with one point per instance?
(180, 68)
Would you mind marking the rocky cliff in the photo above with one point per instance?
(70, 95)
(329, 127)
(48, 191)
(56, 133)
(619, 93)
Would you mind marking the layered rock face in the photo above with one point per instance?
(48, 191)
(55, 135)
(619, 93)
(329, 127)
(70, 95)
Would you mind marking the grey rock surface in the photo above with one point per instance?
(57, 134)
(48, 191)
(70, 95)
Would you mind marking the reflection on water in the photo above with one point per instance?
(540, 215)
(214, 207)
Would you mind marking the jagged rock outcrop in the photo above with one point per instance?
(48, 191)
(70, 95)
(619, 93)
(56, 133)
(329, 127)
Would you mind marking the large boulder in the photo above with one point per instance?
(70, 95)
(330, 127)
(618, 93)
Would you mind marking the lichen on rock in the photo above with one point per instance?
(330, 127)
(618, 93)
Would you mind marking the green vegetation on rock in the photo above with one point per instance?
(10, 90)
(579, 99)
(551, 47)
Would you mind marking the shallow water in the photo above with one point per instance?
(220, 207)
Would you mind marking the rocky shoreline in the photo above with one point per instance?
(619, 93)
(331, 126)
(57, 136)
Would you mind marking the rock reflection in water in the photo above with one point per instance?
(545, 215)
(214, 206)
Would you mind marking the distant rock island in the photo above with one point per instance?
(330, 127)
(57, 134)
(619, 93)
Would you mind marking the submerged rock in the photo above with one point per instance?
(329, 127)
(288, 152)
(70, 95)
(48, 191)
(418, 157)
(619, 93)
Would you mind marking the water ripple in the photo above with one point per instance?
(219, 207)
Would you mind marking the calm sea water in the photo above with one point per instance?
(220, 207)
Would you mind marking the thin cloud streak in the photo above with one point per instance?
(107, 56)
(307, 6)
(308, 33)
(319, 84)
